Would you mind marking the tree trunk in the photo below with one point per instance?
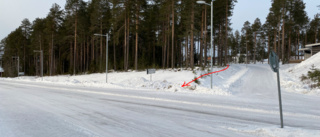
(289, 46)
(154, 47)
(201, 38)
(275, 41)
(187, 52)
(298, 43)
(114, 54)
(164, 47)
(172, 56)
(51, 54)
(71, 57)
(279, 46)
(205, 36)
(137, 37)
(88, 45)
(268, 47)
(100, 62)
(125, 46)
(296, 47)
(255, 48)
(220, 45)
(75, 45)
(128, 41)
(226, 36)
(168, 42)
(192, 43)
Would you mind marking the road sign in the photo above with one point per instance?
(274, 61)
(21, 73)
(274, 64)
(151, 71)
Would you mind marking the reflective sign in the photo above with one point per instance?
(151, 71)
(274, 61)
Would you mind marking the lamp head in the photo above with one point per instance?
(201, 2)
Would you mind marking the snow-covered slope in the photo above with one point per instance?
(290, 76)
(304, 66)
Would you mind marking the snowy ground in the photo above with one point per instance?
(162, 80)
(292, 73)
(243, 102)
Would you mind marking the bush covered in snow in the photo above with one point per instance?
(312, 78)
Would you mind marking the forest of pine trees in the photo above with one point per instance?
(152, 33)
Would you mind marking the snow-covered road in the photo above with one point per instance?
(39, 109)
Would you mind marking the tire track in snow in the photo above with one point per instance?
(261, 111)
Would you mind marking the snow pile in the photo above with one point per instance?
(164, 80)
(290, 76)
(304, 66)
(274, 131)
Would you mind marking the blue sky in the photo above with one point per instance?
(249, 10)
(12, 12)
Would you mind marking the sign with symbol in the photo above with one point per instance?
(274, 61)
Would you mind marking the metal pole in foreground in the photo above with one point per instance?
(211, 40)
(279, 95)
(274, 64)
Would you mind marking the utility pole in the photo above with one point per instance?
(203, 2)
(107, 37)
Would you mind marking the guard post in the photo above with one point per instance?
(151, 71)
(274, 64)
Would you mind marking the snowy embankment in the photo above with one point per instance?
(164, 80)
(290, 76)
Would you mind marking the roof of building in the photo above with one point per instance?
(311, 45)
(304, 49)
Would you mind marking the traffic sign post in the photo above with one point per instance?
(151, 71)
(274, 64)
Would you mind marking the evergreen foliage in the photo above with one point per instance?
(152, 33)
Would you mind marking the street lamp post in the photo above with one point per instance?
(106, 53)
(41, 59)
(211, 27)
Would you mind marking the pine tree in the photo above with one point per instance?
(26, 28)
(72, 7)
(256, 27)
(54, 21)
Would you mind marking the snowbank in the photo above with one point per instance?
(290, 76)
(274, 131)
(164, 80)
(304, 66)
